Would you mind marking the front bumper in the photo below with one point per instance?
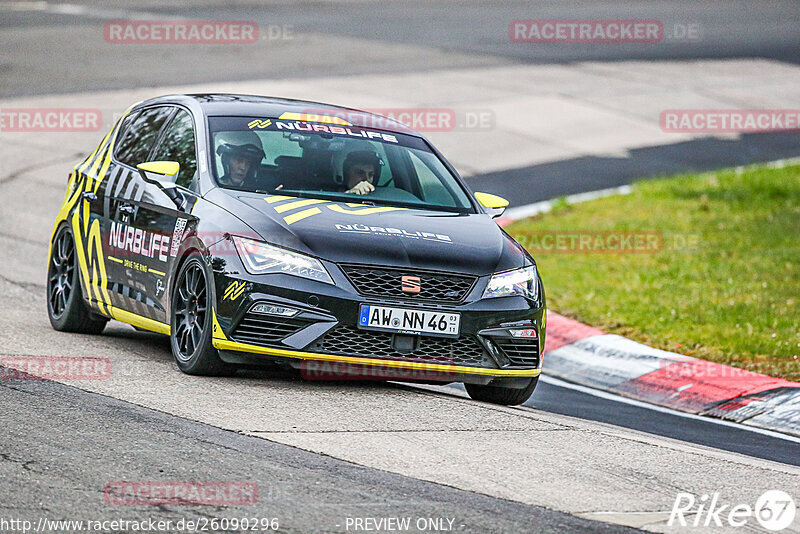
(324, 341)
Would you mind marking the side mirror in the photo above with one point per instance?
(494, 204)
(159, 172)
(162, 175)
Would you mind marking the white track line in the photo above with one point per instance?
(617, 398)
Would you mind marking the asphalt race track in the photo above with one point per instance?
(73, 443)
(325, 453)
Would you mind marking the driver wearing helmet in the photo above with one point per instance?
(241, 154)
(362, 168)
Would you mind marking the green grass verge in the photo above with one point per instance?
(722, 282)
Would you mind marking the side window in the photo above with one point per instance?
(123, 128)
(178, 145)
(141, 135)
(386, 170)
(432, 188)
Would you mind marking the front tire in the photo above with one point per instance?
(190, 322)
(502, 395)
(66, 308)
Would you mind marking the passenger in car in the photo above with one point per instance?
(241, 154)
(362, 168)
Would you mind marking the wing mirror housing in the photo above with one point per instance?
(162, 175)
(495, 205)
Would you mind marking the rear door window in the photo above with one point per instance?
(178, 145)
(141, 135)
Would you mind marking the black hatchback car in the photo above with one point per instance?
(338, 242)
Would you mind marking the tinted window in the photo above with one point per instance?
(123, 129)
(432, 190)
(178, 145)
(141, 135)
(316, 160)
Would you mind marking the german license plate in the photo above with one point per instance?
(409, 321)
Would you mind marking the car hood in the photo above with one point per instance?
(379, 235)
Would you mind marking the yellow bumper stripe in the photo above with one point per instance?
(244, 347)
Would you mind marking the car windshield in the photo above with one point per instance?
(331, 161)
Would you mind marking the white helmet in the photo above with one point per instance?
(241, 143)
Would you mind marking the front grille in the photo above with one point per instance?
(266, 330)
(521, 351)
(351, 341)
(387, 282)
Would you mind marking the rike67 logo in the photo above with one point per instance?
(774, 510)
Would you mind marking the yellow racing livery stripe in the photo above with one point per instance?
(216, 330)
(87, 237)
(138, 320)
(225, 344)
(300, 215)
(299, 204)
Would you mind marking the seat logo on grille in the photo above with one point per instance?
(411, 284)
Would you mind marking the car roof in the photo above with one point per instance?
(224, 104)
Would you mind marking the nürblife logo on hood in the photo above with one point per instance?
(396, 232)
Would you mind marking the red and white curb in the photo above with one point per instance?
(578, 353)
(584, 355)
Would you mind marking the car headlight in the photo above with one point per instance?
(260, 258)
(523, 282)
